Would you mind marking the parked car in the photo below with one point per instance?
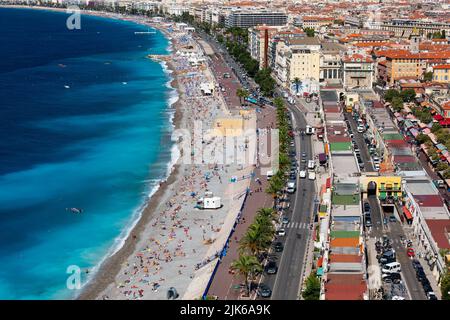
(392, 219)
(281, 232)
(311, 175)
(290, 188)
(285, 220)
(279, 247)
(366, 207)
(393, 267)
(264, 291)
(271, 267)
(391, 277)
(302, 174)
(431, 296)
(368, 223)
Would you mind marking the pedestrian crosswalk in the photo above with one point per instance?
(297, 225)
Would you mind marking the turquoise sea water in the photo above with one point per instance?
(84, 123)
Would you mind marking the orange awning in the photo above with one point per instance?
(319, 262)
(407, 213)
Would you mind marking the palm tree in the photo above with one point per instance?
(276, 185)
(241, 94)
(267, 212)
(251, 241)
(297, 83)
(245, 95)
(246, 266)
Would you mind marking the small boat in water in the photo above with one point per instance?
(124, 82)
(67, 87)
(62, 65)
(75, 210)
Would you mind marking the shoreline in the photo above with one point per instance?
(109, 266)
(147, 263)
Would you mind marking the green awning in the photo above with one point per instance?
(382, 195)
(320, 272)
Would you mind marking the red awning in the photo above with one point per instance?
(328, 183)
(319, 262)
(407, 213)
(445, 122)
(438, 117)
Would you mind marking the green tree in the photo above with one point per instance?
(246, 266)
(242, 94)
(390, 94)
(428, 76)
(445, 286)
(297, 83)
(253, 240)
(446, 174)
(422, 138)
(312, 291)
(442, 166)
(408, 95)
(309, 32)
(397, 104)
(436, 127)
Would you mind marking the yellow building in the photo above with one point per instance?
(441, 73)
(382, 186)
(303, 64)
(403, 64)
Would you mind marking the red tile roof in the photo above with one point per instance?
(344, 258)
(440, 230)
(357, 58)
(429, 200)
(406, 54)
(345, 286)
(442, 66)
(402, 159)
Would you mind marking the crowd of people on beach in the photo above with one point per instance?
(179, 243)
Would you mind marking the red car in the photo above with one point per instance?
(410, 252)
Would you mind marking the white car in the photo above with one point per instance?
(311, 175)
(361, 129)
(281, 232)
(302, 174)
(376, 166)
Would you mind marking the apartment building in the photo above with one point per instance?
(358, 71)
(259, 39)
(404, 64)
(441, 73)
(330, 61)
(297, 58)
(316, 22)
(247, 19)
(404, 27)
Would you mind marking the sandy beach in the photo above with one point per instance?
(174, 244)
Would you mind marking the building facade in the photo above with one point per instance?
(247, 19)
(441, 73)
(358, 71)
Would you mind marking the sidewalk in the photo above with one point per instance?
(224, 281)
(409, 235)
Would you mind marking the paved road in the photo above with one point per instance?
(286, 282)
(360, 142)
(395, 231)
